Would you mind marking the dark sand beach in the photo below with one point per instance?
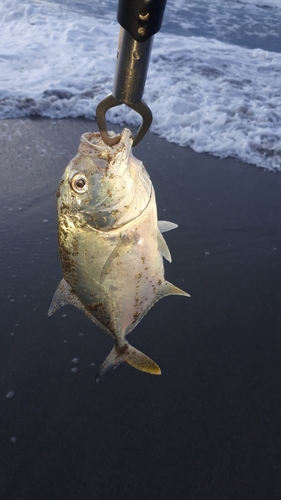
(209, 427)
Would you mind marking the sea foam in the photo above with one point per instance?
(212, 96)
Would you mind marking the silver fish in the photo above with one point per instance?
(110, 244)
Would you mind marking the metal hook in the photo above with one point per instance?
(110, 102)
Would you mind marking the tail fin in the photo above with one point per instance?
(131, 356)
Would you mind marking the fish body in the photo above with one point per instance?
(110, 244)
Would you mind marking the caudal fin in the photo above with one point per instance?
(130, 355)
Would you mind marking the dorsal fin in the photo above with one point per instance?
(163, 247)
(165, 225)
(64, 296)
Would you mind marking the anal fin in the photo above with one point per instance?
(165, 225)
(170, 289)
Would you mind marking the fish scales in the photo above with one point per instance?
(110, 244)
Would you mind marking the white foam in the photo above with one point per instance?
(263, 3)
(212, 96)
(223, 99)
(234, 21)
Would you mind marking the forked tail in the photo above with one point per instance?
(130, 355)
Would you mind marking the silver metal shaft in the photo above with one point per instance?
(131, 68)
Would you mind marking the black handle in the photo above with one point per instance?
(141, 18)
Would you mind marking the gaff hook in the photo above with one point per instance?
(139, 20)
(111, 102)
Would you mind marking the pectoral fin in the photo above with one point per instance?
(163, 247)
(124, 244)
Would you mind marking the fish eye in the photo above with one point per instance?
(79, 183)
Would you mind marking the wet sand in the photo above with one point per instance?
(209, 426)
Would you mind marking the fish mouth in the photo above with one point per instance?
(91, 144)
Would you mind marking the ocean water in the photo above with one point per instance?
(213, 82)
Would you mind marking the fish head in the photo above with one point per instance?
(99, 184)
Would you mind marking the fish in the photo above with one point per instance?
(111, 246)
